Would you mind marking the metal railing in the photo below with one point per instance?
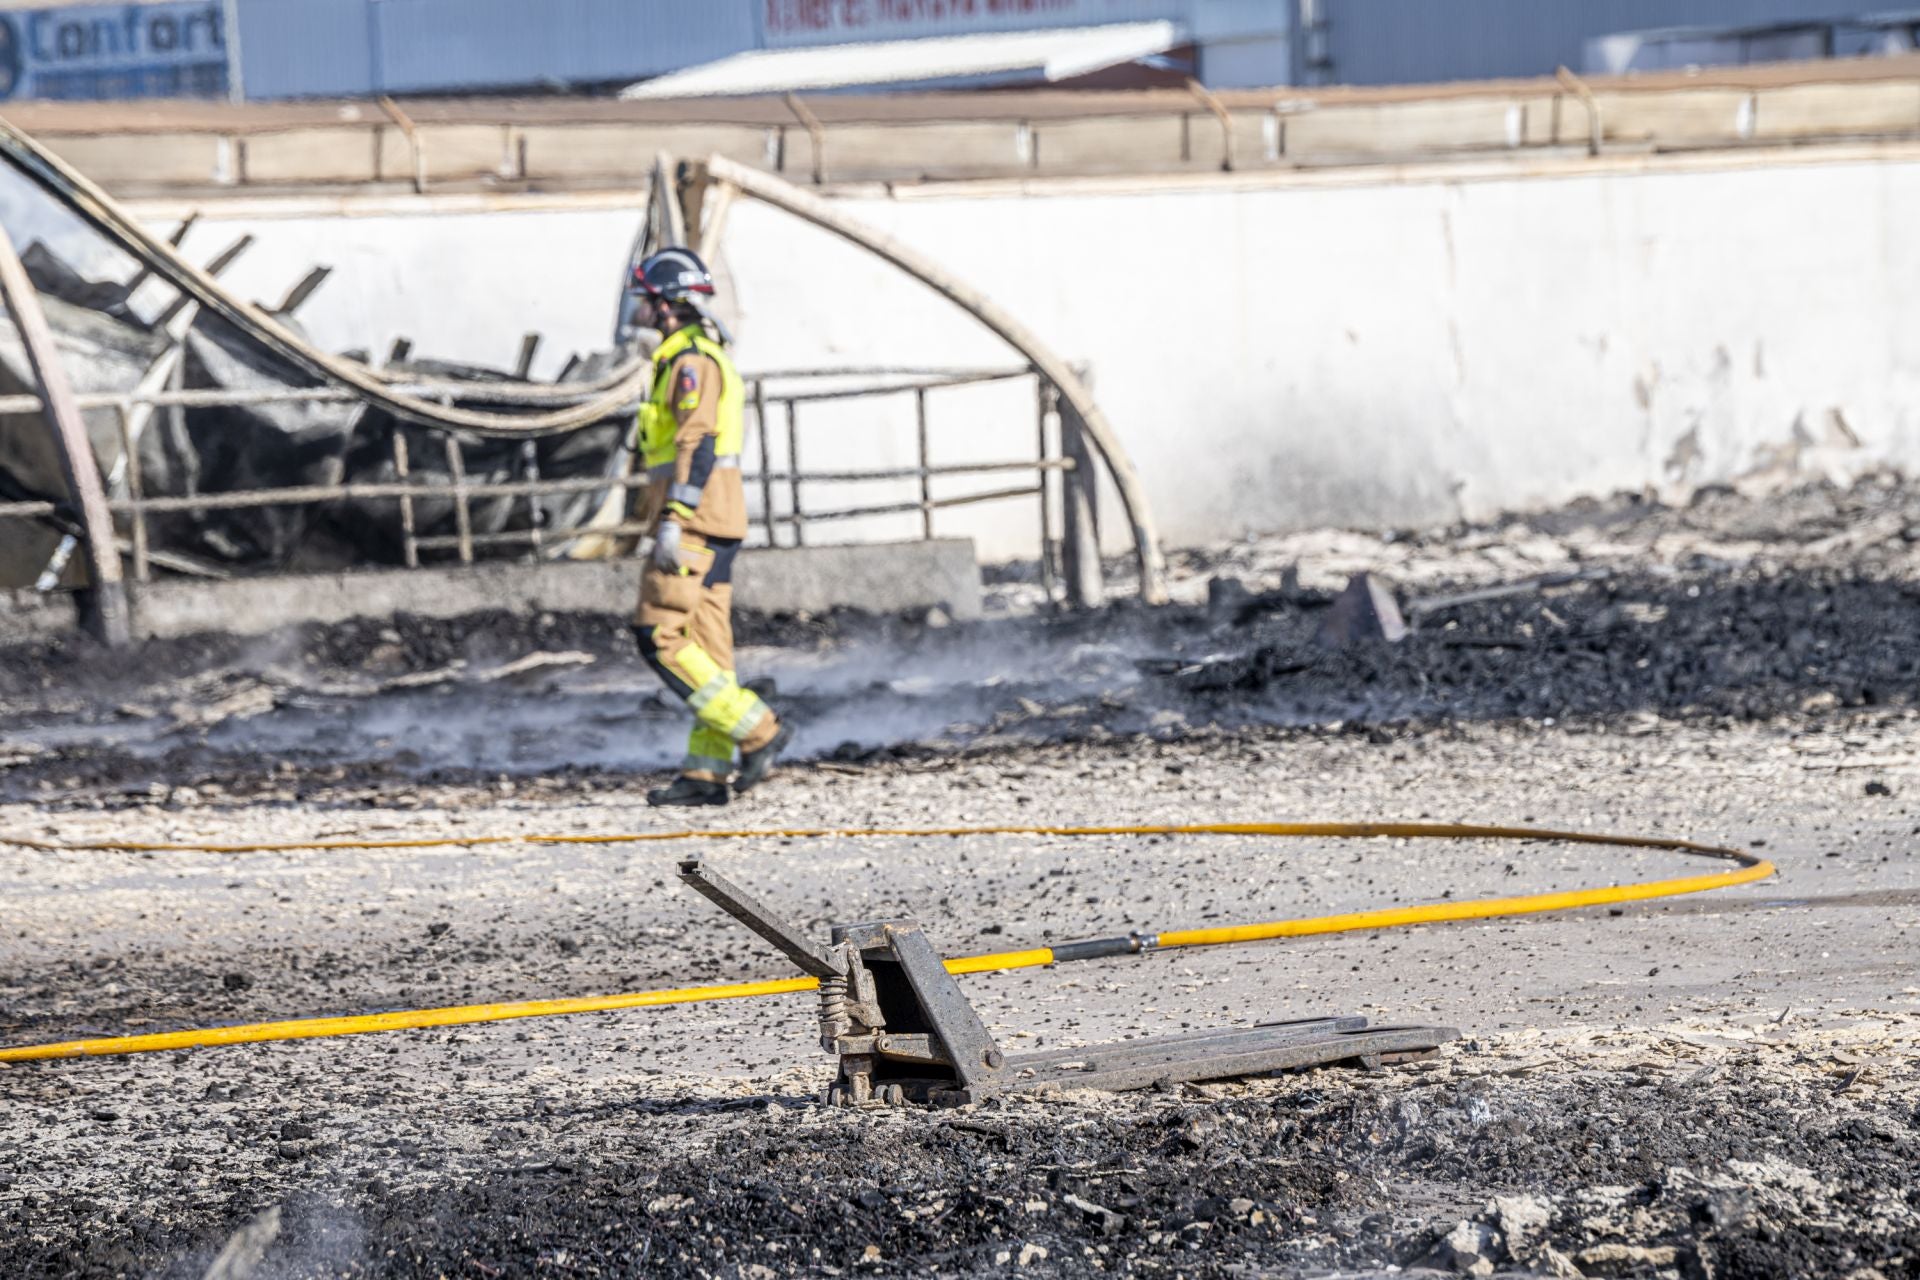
(903, 383)
(776, 401)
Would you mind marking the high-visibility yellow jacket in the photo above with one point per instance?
(691, 431)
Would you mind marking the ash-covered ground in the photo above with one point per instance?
(1713, 1086)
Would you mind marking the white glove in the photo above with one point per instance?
(666, 546)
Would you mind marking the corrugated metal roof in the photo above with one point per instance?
(1040, 55)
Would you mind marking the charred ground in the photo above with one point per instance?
(1736, 643)
(1330, 1174)
(1718, 1087)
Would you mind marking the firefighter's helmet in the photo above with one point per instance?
(672, 275)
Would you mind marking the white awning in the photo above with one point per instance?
(1038, 55)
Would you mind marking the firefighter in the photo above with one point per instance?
(689, 438)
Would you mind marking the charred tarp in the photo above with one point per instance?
(375, 530)
(233, 448)
(102, 348)
(205, 450)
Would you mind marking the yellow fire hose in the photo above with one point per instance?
(1749, 869)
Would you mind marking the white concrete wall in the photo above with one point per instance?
(1273, 357)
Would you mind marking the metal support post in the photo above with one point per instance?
(793, 474)
(1080, 497)
(462, 518)
(816, 136)
(179, 236)
(105, 609)
(400, 472)
(220, 262)
(130, 450)
(416, 145)
(766, 460)
(926, 476)
(1048, 397)
(529, 348)
(536, 514)
(301, 291)
(1220, 113)
(1596, 128)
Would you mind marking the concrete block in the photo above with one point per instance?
(150, 159)
(885, 577)
(313, 155)
(453, 152)
(856, 151)
(1205, 146)
(877, 577)
(1108, 146)
(627, 151)
(1399, 127)
(1686, 116)
(1540, 118)
(1259, 138)
(1814, 110)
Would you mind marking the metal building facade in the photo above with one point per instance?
(1415, 41)
(305, 48)
(439, 45)
(352, 48)
(357, 48)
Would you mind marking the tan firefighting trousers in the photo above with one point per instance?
(685, 629)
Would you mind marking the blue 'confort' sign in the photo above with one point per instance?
(168, 50)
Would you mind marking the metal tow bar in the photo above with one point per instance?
(904, 1032)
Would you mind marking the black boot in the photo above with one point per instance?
(756, 765)
(689, 791)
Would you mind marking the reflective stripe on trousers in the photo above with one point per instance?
(709, 754)
(718, 700)
(686, 636)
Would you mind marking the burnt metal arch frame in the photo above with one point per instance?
(1075, 397)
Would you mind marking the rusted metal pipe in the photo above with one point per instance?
(107, 613)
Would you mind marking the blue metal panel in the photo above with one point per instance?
(1896, 32)
(428, 45)
(305, 49)
(294, 48)
(310, 48)
(1412, 41)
